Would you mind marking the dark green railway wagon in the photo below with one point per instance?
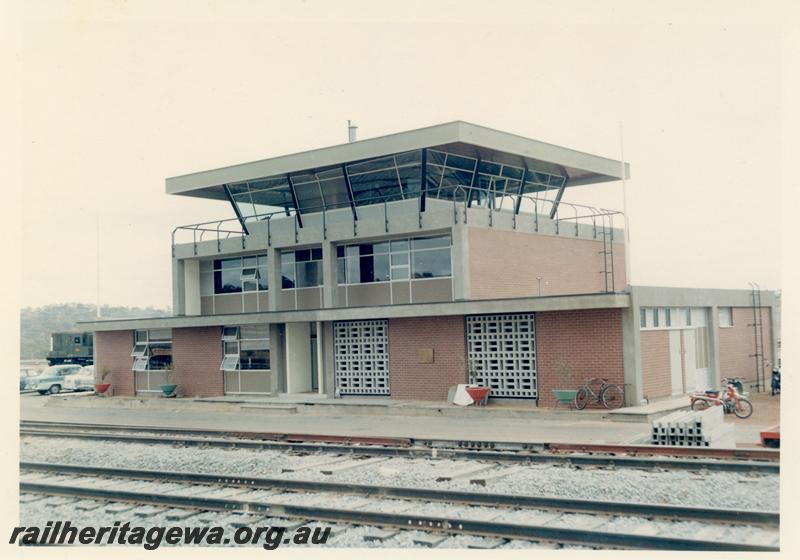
(71, 348)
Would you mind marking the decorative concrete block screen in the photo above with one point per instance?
(501, 350)
(362, 357)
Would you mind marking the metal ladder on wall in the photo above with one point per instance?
(758, 337)
(606, 231)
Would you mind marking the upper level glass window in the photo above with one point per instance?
(239, 274)
(301, 268)
(398, 259)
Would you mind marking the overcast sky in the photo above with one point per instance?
(117, 96)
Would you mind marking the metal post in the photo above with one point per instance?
(350, 196)
(239, 216)
(298, 219)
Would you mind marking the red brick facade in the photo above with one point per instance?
(572, 346)
(737, 345)
(506, 264)
(196, 356)
(409, 379)
(112, 350)
(656, 364)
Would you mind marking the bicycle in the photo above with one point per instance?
(609, 395)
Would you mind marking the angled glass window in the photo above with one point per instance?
(230, 333)
(139, 350)
(249, 279)
(230, 363)
(140, 364)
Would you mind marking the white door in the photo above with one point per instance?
(689, 359)
(676, 367)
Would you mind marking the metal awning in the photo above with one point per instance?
(432, 161)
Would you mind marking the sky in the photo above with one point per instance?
(114, 97)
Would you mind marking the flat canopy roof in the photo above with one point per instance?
(458, 137)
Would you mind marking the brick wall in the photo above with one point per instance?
(196, 356)
(586, 342)
(656, 364)
(736, 345)
(410, 379)
(505, 264)
(112, 350)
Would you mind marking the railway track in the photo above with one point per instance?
(603, 455)
(532, 518)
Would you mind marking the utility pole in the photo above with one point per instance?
(625, 208)
(97, 265)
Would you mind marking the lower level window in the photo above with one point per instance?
(152, 350)
(249, 350)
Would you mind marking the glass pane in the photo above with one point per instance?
(308, 197)
(431, 242)
(370, 165)
(244, 204)
(400, 245)
(316, 254)
(340, 250)
(399, 258)
(409, 158)
(140, 336)
(353, 265)
(230, 363)
(249, 285)
(254, 331)
(231, 348)
(374, 268)
(302, 255)
(160, 334)
(230, 333)
(309, 274)
(254, 359)
(334, 192)
(255, 344)
(287, 275)
(206, 266)
(206, 283)
(460, 162)
(230, 263)
(341, 275)
(379, 248)
(410, 180)
(263, 274)
(227, 281)
(249, 261)
(400, 273)
(431, 264)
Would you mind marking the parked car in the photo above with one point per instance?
(24, 375)
(81, 381)
(51, 380)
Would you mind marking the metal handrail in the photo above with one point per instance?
(459, 193)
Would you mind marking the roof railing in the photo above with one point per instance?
(463, 198)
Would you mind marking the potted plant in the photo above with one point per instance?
(168, 388)
(102, 387)
(566, 377)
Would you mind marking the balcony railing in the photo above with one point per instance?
(463, 198)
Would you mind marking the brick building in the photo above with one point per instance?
(402, 265)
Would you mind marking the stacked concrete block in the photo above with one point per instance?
(705, 428)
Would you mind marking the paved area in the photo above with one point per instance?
(483, 428)
(574, 427)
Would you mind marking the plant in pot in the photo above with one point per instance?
(169, 389)
(565, 374)
(102, 387)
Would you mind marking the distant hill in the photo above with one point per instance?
(38, 322)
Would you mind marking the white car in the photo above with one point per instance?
(81, 381)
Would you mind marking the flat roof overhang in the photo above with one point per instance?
(472, 307)
(469, 139)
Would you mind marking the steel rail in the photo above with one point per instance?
(428, 494)
(399, 520)
(389, 447)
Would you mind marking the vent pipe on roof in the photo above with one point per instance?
(351, 131)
